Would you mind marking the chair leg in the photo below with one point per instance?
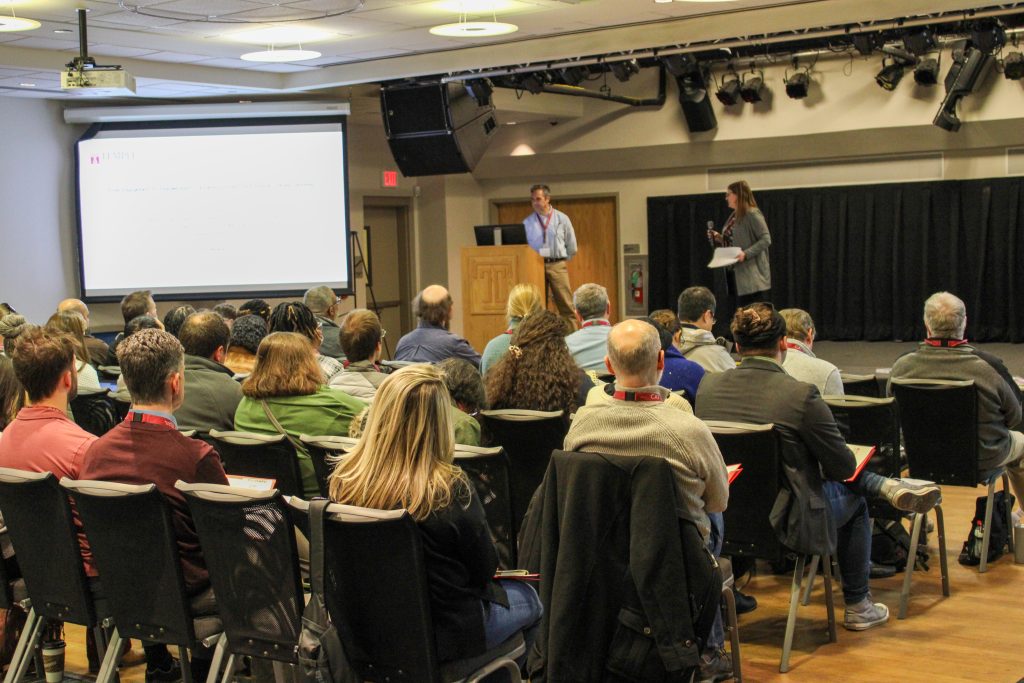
(812, 573)
(830, 605)
(986, 537)
(794, 602)
(940, 528)
(218, 657)
(229, 671)
(111, 658)
(908, 571)
(1009, 511)
(27, 645)
(729, 617)
(186, 665)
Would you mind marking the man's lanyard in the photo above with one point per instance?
(148, 418)
(591, 323)
(948, 343)
(544, 224)
(793, 347)
(645, 396)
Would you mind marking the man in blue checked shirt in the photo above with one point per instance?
(549, 232)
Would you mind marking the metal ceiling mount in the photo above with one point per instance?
(266, 12)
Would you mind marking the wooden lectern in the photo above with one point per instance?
(488, 273)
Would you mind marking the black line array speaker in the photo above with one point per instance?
(435, 128)
(697, 111)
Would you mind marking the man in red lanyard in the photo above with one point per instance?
(550, 233)
(638, 421)
(589, 344)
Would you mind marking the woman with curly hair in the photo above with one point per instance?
(538, 373)
(295, 316)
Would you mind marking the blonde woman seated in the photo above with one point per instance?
(73, 325)
(285, 394)
(523, 299)
(405, 460)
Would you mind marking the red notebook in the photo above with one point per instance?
(862, 454)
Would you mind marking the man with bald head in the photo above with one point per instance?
(97, 348)
(638, 421)
(431, 342)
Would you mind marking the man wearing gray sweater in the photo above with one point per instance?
(638, 421)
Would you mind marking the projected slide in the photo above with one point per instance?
(207, 212)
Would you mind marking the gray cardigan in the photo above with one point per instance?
(750, 234)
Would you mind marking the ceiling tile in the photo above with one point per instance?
(283, 68)
(226, 63)
(177, 57)
(131, 19)
(118, 51)
(41, 43)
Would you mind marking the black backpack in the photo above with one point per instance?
(1002, 503)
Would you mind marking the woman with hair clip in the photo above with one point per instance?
(404, 460)
(523, 299)
(72, 324)
(750, 280)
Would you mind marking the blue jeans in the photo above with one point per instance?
(522, 614)
(716, 639)
(850, 513)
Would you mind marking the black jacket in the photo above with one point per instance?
(617, 582)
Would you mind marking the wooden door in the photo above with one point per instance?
(595, 221)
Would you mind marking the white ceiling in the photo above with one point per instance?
(382, 39)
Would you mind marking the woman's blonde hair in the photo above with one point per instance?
(405, 457)
(523, 299)
(285, 366)
(73, 324)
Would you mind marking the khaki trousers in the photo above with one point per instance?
(557, 276)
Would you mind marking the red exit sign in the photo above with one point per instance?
(389, 179)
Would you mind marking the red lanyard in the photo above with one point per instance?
(591, 323)
(950, 343)
(645, 396)
(544, 224)
(147, 418)
(793, 347)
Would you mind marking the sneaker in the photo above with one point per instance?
(715, 666)
(910, 496)
(158, 675)
(744, 603)
(864, 615)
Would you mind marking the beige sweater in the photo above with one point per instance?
(620, 427)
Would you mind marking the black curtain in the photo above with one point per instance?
(862, 259)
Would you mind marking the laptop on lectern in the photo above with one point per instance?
(509, 233)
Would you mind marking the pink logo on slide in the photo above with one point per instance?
(94, 159)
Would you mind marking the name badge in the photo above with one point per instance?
(545, 252)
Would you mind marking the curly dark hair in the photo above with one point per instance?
(757, 327)
(255, 307)
(538, 372)
(247, 332)
(294, 316)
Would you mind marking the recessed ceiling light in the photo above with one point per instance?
(18, 24)
(280, 55)
(471, 6)
(281, 35)
(27, 85)
(62, 30)
(474, 29)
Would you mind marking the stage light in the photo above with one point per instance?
(798, 84)
(694, 99)
(866, 43)
(624, 70)
(729, 93)
(889, 77)
(573, 75)
(751, 88)
(988, 36)
(534, 82)
(919, 42)
(969, 67)
(1013, 66)
(927, 72)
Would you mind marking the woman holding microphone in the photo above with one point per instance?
(750, 280)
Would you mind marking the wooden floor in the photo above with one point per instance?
(977, 634)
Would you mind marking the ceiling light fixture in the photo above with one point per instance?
(1013, 66)
(624, 70)
(750, 89)
(927, 72)
(729, 93)
(273, 55)
(13, 23)
(889, 77)
(464, 28)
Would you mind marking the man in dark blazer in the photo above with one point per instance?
(816, 512)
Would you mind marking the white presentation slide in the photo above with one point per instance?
(242, 209)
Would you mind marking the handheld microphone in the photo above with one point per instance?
(711, 229)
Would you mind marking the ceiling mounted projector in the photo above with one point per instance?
(83, 77)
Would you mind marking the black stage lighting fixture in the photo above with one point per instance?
(969, 67)
(480, 89)
(573, 75)
(889, 77)
(798, 84)
(927, 72)
(988, 36)
(534, 82)
(1013, 66)
(729, 93)
(866, 43)
(625, 70)
(919, 42)
(751, 88)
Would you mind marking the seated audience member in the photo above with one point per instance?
(324, 303)
(228, 312)
(211, 393)
(679, 374)
(148, 449)
(637, 421)
(466, 387)
(136, 324)
(246, 335)
(97, 348)
(537, 373)
(72, 324)
(175, 318)
(696, 308)
(946, 354)
(431, 342)
(285, 394)
(5, 309)
(361, 337)
(296, 317)
(11, 326)
(256, 307)
(816, 461)
(10, 393)
(589, 344)
(133, 305)
(523, 299)
(801, 362)
(405, 460)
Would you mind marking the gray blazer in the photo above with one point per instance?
(750, 234)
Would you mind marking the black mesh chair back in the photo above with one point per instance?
(940, 430)
(488, 470)
(267, 456)
(325, 451)
(757, 449)
(528, 437)
(871, 422)
(861, 385)
(42, 530)
(121, 408)
(95, 413)
(132, 540)
(248, 543)
(376, 592)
